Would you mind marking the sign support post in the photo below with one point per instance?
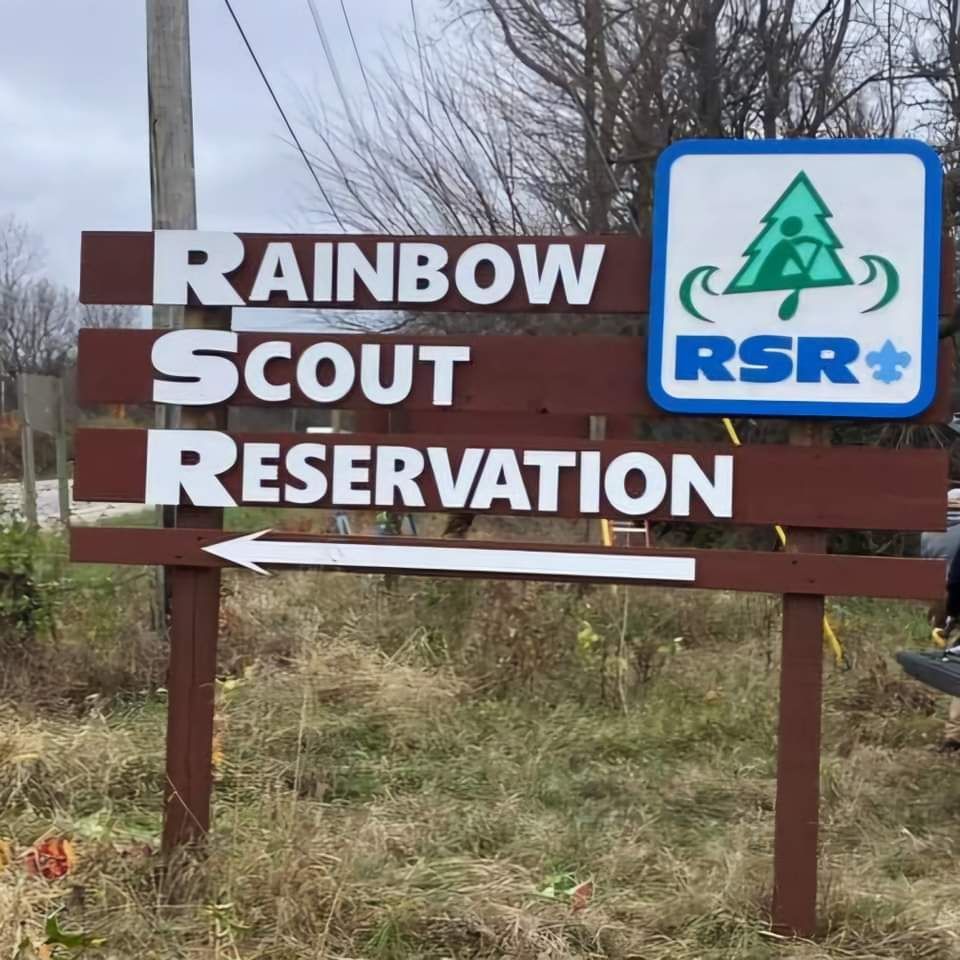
(27, 455)
(797, 817)
(193, 627)
(60, 442)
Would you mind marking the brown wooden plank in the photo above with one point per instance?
(536, 377)
(117, 267)
(506, 374)
(745, 570)
(844, 488)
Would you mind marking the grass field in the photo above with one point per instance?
(458, 770)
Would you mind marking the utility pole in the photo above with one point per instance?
(193, 594)
(173, 198)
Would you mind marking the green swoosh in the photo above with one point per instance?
(686, 289)
(891, 277)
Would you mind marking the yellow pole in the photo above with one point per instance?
(829, 637)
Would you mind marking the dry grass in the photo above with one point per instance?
(405, 770)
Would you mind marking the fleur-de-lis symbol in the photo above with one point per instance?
(888, 360)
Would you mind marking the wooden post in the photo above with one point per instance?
(193, 595)
(60, 443)
(27, 456)
(191, 681)
(798, 751)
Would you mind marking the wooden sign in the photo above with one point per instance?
(846, 488)
(488, 425)
(744, 570)
(606, 274)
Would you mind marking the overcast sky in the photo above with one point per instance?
(73, 111)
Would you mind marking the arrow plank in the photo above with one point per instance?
(751, 570)
(254, 553)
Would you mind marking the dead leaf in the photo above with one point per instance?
(6, 853)
(581, 895)
(51, 859)
(27, 951)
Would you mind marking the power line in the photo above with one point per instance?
(332, 63)
(423, 72)
(363, 71)
(282, 112)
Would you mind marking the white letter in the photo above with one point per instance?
(454, 491)
(300, 468)
(558, 264)
(504, 273)
(500, 480)
(590, 481)
(254, 371)
(346, 473)
(173, 273)
(420, 279)
(322, 272)
(167, 473)
(549, 463)
(344, 372)
(654, 488)
(351, 263)
(205, 379)
(255, 472)
(398, 469)
(443, 359)
(279, 256)
(370, 382)
(687, 475)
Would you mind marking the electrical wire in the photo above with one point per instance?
(332, 64)
(283, 115)
(423, 72)
(363, 69)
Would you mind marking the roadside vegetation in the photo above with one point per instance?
(460, 769)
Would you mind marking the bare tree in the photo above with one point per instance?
(39, 320)
(20, 254)
(39, 335)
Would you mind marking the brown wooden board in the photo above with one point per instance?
(808, 574)
(117, 267)
(541, 376)
(844, 488)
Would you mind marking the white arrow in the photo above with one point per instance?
(251, 552)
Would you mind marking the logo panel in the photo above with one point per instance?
(796, 278)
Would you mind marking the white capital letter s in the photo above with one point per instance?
(203, 378)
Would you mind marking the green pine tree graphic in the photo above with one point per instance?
(796, 249)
